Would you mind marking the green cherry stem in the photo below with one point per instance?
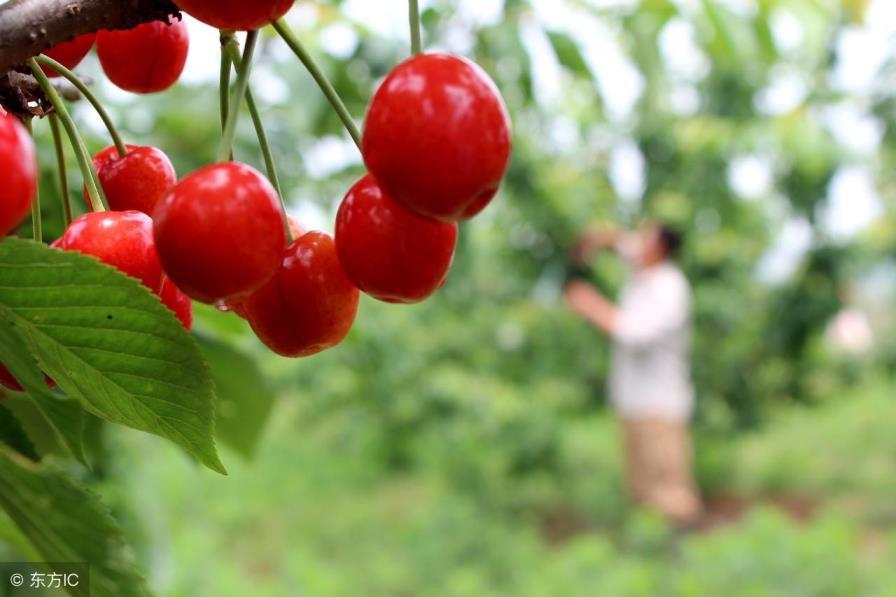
(329, 91)
(242, 83)
(224, 81)
(91, 180)
(233, 57)
(36, 223)
(60, 166)
(416, 38)
(90, 97)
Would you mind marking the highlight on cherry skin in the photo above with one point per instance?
(146, 59)
(219, 233)
(457, 177)
(17, 155)
(389, 252)
(137, 181)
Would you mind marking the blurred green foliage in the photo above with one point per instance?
(436, 450)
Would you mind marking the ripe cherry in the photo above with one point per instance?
(437, 137)
(69, 54)
(389, 252)
(236, 15)
(219, 232)
(178, 302)
(122, 239)
(310, 305)
(237, 309)
(146, 59)
(19, 166)
(136, 181)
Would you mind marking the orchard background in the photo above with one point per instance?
(463, 446)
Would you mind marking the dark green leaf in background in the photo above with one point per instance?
(245, 397)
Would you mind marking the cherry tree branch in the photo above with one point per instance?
(28, 27)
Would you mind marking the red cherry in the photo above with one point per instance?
(310, 305)
(19, 166)
(437, 137)
(69, 54)
(238, 309)
(237, 15)
(219, 232)
(296, 230)
(136, 181)
(389, 252)
(122, 239)
(146, 59)
(178, 302)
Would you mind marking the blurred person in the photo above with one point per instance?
(650, 385)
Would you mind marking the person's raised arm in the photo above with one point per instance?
(593, 306)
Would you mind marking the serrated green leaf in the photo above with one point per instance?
(64, 416)
(12, 434)
(110, 343)
(245, 398)
(66, 523)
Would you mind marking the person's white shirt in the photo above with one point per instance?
(650, 375)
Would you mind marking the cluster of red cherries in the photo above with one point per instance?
(436, 144)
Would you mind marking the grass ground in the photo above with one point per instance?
(312, 518)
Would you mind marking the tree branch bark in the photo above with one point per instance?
(28, 27)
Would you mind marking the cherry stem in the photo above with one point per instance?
(329, 91)
(242, 83)
(88, 94)
(60, 165)
(91, 180)
(36, 223)
(224, 82)
(416, 38)
(233, 57)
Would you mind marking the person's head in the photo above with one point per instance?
(659, 242)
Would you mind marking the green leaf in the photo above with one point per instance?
(12, 434)
(568, 53)
(42, 434)
(64, 416)
(109, 342)
(67, 524)
(245, 398)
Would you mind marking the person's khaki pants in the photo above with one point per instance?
(658, 455)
